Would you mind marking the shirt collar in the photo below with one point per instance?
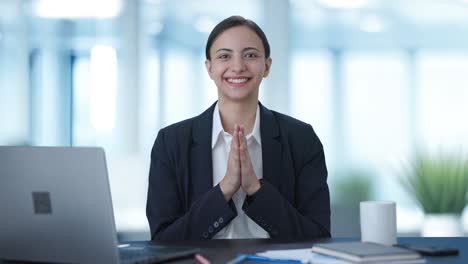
(256, 129)
(218, 127)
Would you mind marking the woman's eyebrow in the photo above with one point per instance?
(223, 49)
(243, 50)
(251, 48)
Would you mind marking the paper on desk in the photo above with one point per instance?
(305, 255)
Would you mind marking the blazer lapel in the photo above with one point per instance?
(201, 167)
(201, 164)
(271, 146)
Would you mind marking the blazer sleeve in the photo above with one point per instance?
(169, 213)
(307, 217)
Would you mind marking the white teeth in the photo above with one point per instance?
(231, 80)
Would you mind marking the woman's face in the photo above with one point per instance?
(238, 64)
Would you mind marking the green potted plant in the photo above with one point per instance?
(348, 190)
(439, 184)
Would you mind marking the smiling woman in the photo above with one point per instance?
(376, 79)
(238, 67)
(238, 170)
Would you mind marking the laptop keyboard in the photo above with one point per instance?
(154, 254)
(134, 252)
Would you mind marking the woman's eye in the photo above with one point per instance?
(223, 56)
(251, 55)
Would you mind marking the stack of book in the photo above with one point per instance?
(367, 252)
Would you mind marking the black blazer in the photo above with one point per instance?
(293, 202)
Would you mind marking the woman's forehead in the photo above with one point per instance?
(239, 37)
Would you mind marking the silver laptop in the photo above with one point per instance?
(56, 206)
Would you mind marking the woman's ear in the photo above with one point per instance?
(267, 67)
(208, 67)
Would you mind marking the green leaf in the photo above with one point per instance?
(438, 183)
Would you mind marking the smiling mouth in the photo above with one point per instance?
(237, 80)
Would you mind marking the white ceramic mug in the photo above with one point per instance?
(378, 222)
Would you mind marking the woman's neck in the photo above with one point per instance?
(240, 113)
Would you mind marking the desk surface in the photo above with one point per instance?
(221, 251)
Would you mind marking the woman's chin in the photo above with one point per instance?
(239, 97)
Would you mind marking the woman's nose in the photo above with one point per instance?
(238, 64)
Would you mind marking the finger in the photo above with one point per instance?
(235, 146)
(239, 132)
(238, 129)
(235, 142)
(234, 129)
(245, 162)
(231, 181)
(241, 143)
(244, 152)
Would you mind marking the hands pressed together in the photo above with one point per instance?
(240, 172)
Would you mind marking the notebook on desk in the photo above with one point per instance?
(366, 252)
(56, 206)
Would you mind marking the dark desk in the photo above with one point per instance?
(221, 251)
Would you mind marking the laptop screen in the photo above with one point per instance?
(56, 206)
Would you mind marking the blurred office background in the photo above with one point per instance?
(377, 79)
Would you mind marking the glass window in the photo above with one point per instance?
(376, 107)
(377, 120)
(311, 96)
(51, 97)
(83, 133)
(180, 86)
(94, 100)
(442, 100)
(150, 102)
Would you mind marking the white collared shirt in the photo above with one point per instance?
(241, 226)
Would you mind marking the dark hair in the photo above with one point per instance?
(235, 21)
